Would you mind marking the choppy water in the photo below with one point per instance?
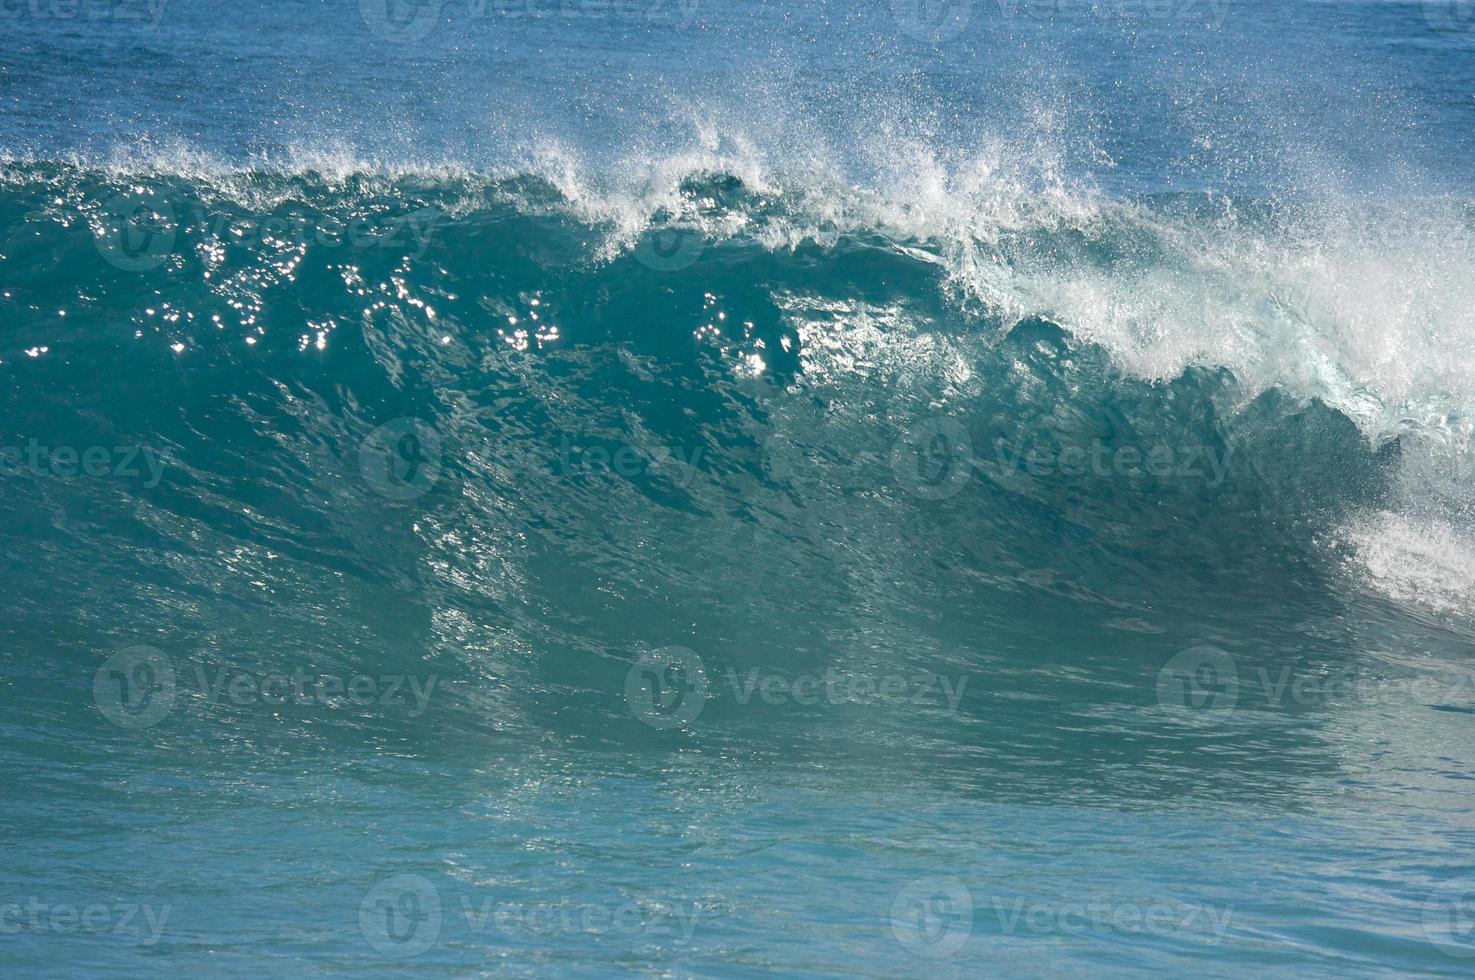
(722, 489)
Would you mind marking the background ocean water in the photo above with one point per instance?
(699, 488)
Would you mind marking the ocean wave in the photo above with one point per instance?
(1354, 301)
(913, 284)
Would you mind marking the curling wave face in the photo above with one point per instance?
(747, 294)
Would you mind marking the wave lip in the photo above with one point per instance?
(1352, 301)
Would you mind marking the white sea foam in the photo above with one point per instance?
(1426, 563)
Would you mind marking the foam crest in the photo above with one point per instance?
(1364, 304)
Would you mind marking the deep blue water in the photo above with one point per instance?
(695, 488)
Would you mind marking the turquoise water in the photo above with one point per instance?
(737, 489)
